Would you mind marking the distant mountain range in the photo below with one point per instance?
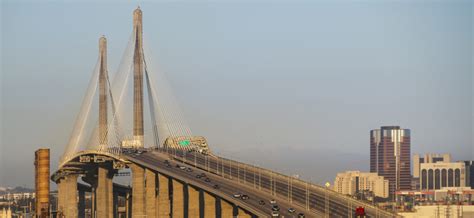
(18, 189)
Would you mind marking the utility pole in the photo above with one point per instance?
(307, 196)
(230, 168)
(326, 208)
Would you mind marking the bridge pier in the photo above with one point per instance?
(138, 191)
(82, 204)
(209, 205)
(242, 213)
(104, 192)
(67, 196)
(193, 202)
(163, 196)
(150, 187)
(227, 209)
(61, 195)
(178, 199)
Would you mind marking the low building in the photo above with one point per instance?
(352, 182)
(435, 176)
(428, 158)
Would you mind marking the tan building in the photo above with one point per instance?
(428, 158)
(434, 176)
(351, 182)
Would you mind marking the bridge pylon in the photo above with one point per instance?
(138, 66)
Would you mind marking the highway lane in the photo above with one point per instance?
(247, 176)
(270, 182)
(227, 186)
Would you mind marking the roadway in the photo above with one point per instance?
(227, 187)
(299, 194)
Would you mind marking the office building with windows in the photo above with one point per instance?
(390, 156)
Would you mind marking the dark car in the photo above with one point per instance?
(300, 215)
(261, 202)
(198, 176)
(189, 169)
(275, 208)
(216, 186)
(244, 197)
(207, 180)
(291, 210)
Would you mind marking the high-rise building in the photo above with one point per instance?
(390, 156)
(42, 182)
(351, 182)
(428, 158)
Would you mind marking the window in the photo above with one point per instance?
(457, 178)
(444, 178)
(437, 180)
(450, 178)
(423, 179)
(430, 179)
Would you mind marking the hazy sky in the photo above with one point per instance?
(291, 85)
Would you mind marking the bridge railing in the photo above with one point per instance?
(274, 183)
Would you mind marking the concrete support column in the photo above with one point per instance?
(82, 204)
(138, 191)
(110, 193)
(209, 205)
(61, 195)
(115, 205)
(227, 209)
(104, 193)
(71, 196)
(193, 202)
(243, 214)
(178, 199)
(128, 206)
(93, 203)
(150, 193)
(163, 196)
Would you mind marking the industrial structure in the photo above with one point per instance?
(42, 163)
(167, 178)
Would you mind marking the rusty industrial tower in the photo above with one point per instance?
(42, 182)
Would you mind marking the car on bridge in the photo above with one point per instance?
(275, 214)
(275, 208)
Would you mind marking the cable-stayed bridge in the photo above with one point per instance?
(173, 172)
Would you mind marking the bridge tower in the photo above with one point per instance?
(103, 92)
(138, 66)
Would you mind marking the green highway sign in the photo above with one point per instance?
(184, 142)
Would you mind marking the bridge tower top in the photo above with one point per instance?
(138, 66)
(103, 92)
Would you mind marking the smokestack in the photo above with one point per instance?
(138, 79)
(42, 182)
(103, 91)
